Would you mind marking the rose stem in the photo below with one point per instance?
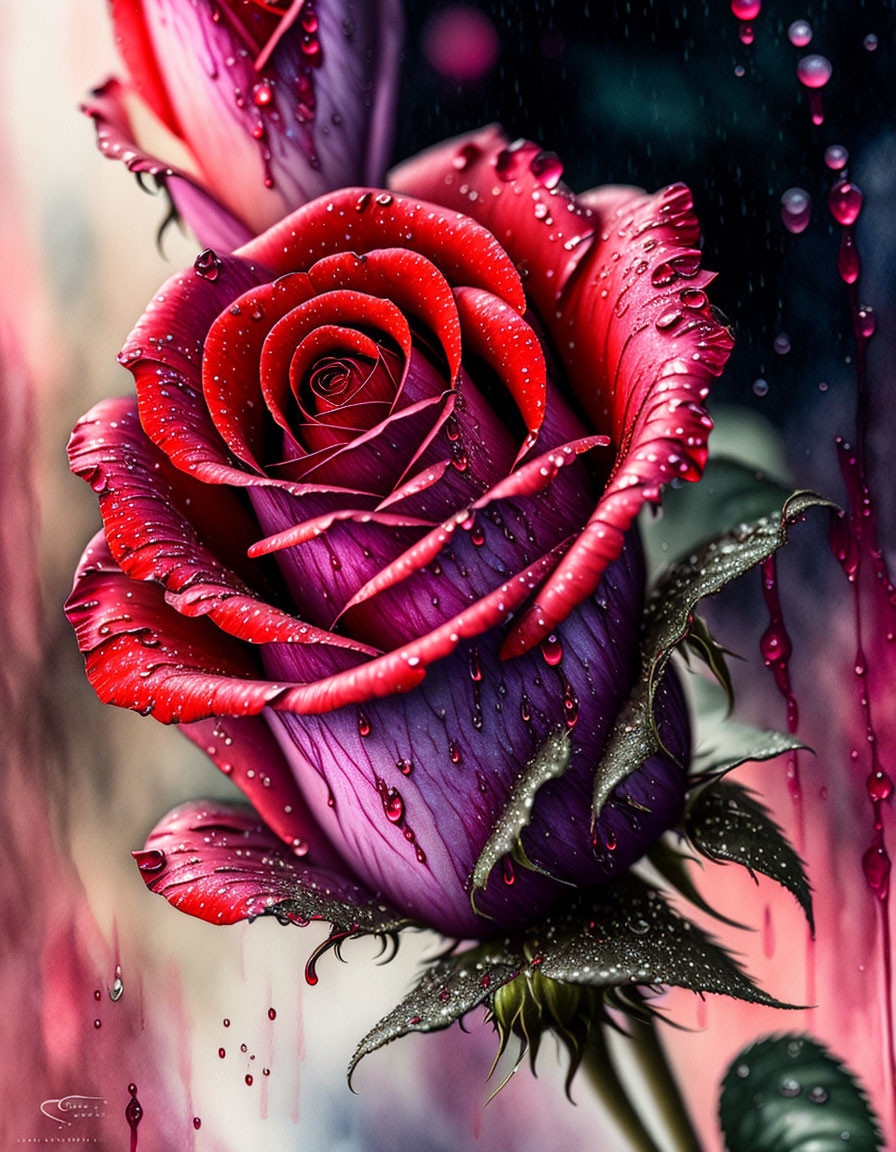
(598, 1064)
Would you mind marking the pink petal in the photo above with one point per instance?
(219, 862)
(213, 223)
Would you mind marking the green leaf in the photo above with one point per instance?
(789, 1094)
(757, 744)
(625, 934)
(670, 617)
(448, 989)
(549, 762)
(727, 823)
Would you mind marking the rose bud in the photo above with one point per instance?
(368, 538)
(274, 101)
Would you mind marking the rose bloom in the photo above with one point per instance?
(269, 103)
(368, 532)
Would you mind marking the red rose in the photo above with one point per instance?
(377, 456)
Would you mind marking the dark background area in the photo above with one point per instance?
(646, 93)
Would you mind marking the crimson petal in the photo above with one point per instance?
(141, 654)
(605, 273)
(137, 490)
(358, 219)
(219, 862)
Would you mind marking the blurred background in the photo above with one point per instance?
(637, 92)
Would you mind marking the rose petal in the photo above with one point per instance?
(497, 334)
(408, 280)
(141, 654)
(219, 862)
(359, 220)
(272, 129)
(432, 771)
(150, 512)
(247, 753)
(604, 273)
(212, 222)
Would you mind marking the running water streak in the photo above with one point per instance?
(776, 648)
(855, 545)
(133, 1115)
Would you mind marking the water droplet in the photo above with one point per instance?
(782, 344)
(668, 319)
(570, 704)
(800, 33)
(796, 209)
(405, 767)
(454, 752)
(222, 1053)
(226, 1022)
(272, 1014)
(507, 871)
(262, 92)
(117, 990)
(814, 71)
(760, 386)
(817, 1095)
(249, 1080)
(546, 168)
(207, 265)
(866, 321)
(362, 201)
(845, 202)
(836, 157)
(363, 724)
(197, 1123)
(97, 1023)
(876, 866)
(746, 9)
(133, 1114)
(870, 42)
(848, 258)
(790, 1087)
(466, 156)
(150, 860)
(552, 650)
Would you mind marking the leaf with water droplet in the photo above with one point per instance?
(625, 934)
(727, 823)
(669, 620)
(753, 745)
(550, 761)
(788, 1093)
(447, 991)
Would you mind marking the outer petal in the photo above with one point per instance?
(246, 752)
(217, 861)
(213, 224)
(615, 279)
(145, 503)
(276, 112)
(413, 785)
